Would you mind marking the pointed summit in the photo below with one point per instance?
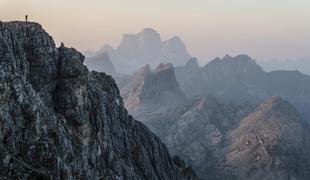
(164, 67)
(149, 31)
(100, 63)
(193, 63)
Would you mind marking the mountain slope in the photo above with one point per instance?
(240, 79)
(271, 143)
(100, 63)
(149, 91)
(224, 140)
(60, 121)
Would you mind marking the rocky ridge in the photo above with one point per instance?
(239, 79)
(209, 132)
(148, 90)
(60, 121)
(270, 143)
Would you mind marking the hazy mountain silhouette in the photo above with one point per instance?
(100, 63)
(240, 79)
(202, 128)
(146, 47)
(302, 65)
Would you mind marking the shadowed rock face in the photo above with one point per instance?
(148, 90)
(60, 121)
(191, 79)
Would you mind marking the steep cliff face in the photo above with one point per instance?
(60, 121)
(191, 79)
(150, 91)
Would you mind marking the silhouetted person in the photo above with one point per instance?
(26, 17)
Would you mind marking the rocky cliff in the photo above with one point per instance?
(191, 79)
(60, 121)
(150, 91)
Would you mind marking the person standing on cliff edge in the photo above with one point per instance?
(26, 17)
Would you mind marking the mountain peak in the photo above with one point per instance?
(164, 67)
(142, 72)
(275, 126)
(227, 57)
(176, 39)
(106, 48)
(233, 65)
(192, 62)
(101, 63)
(149, 30)
(278, 105)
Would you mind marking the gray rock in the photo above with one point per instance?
(149, 91)
(60, 121)
(271, 143)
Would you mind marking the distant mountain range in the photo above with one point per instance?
(101, 63)
(302, 65)
(224, 118)
(145, 47)
(240, 79)
(230, 119)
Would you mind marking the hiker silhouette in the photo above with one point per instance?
(26, 17)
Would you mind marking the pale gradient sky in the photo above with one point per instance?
(264, 29)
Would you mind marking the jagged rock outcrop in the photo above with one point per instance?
(101, 63)
(191, 79)
(174, 51)
(148, 90)
(271, 143)
(60, 121)
(225, 140)
(240, 79)
(146, 47)
(197, 131)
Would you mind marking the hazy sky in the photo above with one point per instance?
(264, 29)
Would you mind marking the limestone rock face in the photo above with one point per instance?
(148, 90)
(60, 121)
